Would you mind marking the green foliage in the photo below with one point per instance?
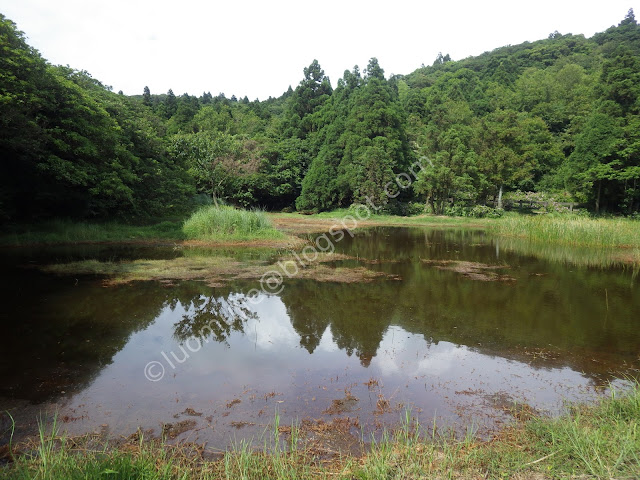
(483, 211)
(558, 114)
(363, 144)
(222, 165)
(71, 146)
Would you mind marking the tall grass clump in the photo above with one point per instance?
(210, 223)
(571, 230)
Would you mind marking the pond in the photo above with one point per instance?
(461, 329)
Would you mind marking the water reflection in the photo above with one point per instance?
(208, 317)
(437, 341)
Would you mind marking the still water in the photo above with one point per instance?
(460, 330)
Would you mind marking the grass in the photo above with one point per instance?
(367, 216)
(215, 223)
(227, 224)
(570, 230)
(589, 441)
(601, 241)
(209, 224)
(587, 256)
(556, 229)
(73, 232)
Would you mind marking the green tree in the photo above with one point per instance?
(309, 96)
(594, 163)
(217, 161)
(513, 149)
(146, 97)
(170, 104)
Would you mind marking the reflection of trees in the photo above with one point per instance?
(60, 333)
(357, 318)
(215, 317)
(549, 305)
(64, 331)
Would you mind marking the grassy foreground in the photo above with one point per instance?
(598, 441)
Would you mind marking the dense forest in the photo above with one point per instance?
(558, 118)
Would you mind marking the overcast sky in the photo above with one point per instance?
(259, 48)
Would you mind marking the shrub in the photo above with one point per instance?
(483, 211)
(415, 208)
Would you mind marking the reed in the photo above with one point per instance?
(568, 230)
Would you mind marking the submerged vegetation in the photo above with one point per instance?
(216, 270)
(597, 441)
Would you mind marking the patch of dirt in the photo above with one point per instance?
(239, 425)
(301, 224)
(340, 406)
(329, 440)
(382, 405)
(505, 402)
(233, 402)
(191, 412)
(173, 430)
(472, 270)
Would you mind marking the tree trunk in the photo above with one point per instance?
(433, 205)
(500, 197)
(598, 197)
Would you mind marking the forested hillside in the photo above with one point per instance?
(559, 118)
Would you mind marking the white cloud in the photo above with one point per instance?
(258, 48)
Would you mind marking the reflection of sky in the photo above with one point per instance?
(405, 357)
(403, 352)
(269, 331)
(268, 357)
(326, 342)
